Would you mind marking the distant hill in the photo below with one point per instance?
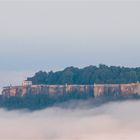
(89, 75)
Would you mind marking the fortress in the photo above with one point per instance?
(59, 90)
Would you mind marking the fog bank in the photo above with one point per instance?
(117, 121)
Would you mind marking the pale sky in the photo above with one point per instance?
(48, 35)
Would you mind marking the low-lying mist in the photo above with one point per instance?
(111, 121)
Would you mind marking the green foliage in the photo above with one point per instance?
(40, 101)
(88, 75)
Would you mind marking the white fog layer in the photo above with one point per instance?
(113, 121)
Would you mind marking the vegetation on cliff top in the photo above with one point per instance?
(88, 75)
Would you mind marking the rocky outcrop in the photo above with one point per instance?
(116, 89)
(59, 90)
(52, 90)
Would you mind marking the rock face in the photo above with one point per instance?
(52, 90)
(116, 89)
(59, 90)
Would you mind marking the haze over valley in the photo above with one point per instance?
(115, 121)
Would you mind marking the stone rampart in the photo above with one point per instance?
(116, 89)
(59, 90)
(52, 90)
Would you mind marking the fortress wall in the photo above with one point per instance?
(116, 89)
(83, 89)
(112, 90)
(51, 90)
(99, 90)
(24, 90)
(6, 91)
(11, 91)
(59, 90)
(127, 89)
(137, 89)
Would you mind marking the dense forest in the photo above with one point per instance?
(40, 101)
(89, 75)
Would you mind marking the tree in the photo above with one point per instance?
(88, 75)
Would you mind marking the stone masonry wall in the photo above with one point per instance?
(59, 90)
(52, 90)
(116, 89)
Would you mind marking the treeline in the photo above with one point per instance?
(89, 75)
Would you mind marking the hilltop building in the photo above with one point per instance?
(26, 83)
